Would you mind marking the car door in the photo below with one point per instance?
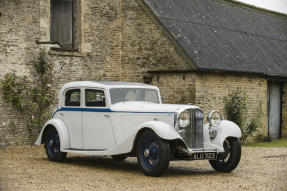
(97, 127)
(72, 116)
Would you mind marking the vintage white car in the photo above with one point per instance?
(124, 119)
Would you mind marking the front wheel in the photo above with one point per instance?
(52, 146)
(153, 154)
(228, 160)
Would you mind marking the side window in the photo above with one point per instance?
(73, 97)
(151, 96)
(95, 98)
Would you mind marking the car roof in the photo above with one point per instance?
(101, 84)
(106, 84)
(118, 83)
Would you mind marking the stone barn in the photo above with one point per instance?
(195, 51)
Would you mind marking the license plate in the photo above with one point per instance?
(204, 156)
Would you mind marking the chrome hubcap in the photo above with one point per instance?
(51, 143)
(146, 153)
(150, 152)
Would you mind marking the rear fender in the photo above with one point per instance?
(63, 132)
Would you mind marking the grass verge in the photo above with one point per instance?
(273, 143)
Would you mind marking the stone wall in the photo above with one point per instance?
(177, 88)
(284, 111)
(19, 27)
(209, 90)
(144, 47)
(116, 40)
(213, 88)
(119, 42)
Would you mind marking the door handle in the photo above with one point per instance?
(61, 114)
(107, 115)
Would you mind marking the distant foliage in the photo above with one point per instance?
(252, 127)
(235, 107)
(31, 98)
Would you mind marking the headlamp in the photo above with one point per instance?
(214, 118)
(183, 119)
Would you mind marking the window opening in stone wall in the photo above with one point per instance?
(63, 14)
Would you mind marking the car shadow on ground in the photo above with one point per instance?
(189, 171)
(102, 163)
(128, 166)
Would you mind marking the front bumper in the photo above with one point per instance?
(208, 153)
(209, 146)
(202, 150)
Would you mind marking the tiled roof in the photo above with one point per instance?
(226, 36)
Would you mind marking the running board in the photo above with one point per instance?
(87, 151)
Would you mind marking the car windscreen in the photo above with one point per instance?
(133, 94)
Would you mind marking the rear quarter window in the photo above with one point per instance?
(73, 97)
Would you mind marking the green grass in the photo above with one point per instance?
(273, 143)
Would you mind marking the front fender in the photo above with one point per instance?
(163, 130)
(62, 131)
(224, 130)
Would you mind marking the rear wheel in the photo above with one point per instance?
(153, 154)
(52, 146)
(228, 160)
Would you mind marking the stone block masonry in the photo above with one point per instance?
(19, 26)
(209, 90)
(117, 41)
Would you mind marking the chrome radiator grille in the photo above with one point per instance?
(194, 132)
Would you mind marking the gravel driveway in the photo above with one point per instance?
(27, 168)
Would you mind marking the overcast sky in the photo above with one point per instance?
(274, 5)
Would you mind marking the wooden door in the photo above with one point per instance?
(274, 111)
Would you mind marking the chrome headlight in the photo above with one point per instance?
(183, 119)
(214, 118)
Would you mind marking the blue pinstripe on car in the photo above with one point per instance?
(107, 110)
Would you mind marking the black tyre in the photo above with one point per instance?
(119, 157)
(228, 160)
(52, 146)
(153, 153)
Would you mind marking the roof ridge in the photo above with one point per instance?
(256, 7)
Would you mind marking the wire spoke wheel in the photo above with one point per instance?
(228, 160)
(153, 153)
(52, 146)
(150, 152)
(227, 150)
